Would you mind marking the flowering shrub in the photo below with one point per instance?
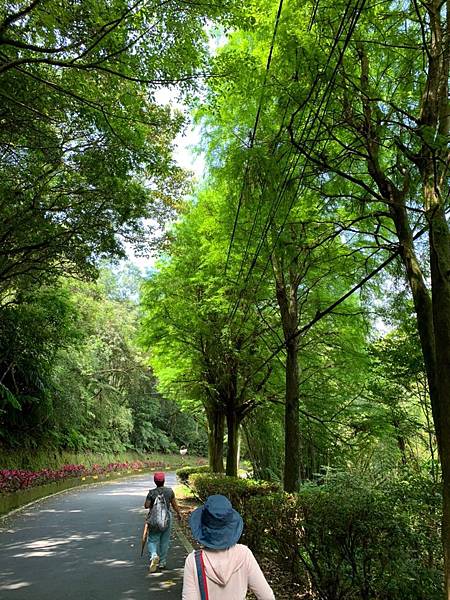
(12, 480)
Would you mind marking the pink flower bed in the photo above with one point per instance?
(12, 480)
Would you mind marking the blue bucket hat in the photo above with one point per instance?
(216, 524)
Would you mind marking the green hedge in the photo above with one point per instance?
(347, 538)
(238, 490)
(184, 473)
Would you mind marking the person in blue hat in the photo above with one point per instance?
(223, 569)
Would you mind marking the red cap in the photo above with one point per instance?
(159, 477)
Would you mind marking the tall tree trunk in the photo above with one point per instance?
(292, 460)
(433, 322)
(433, 312)
(233, 444)
(401, 443)
(440, 285)
(288, 304)
(432, 162)
(421, 298)
(435, 116)
(216, 430)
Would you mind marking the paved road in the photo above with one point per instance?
(85, 545)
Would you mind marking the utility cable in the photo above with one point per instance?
(253, 134)
(308, 127)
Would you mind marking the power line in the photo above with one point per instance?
(307, 127)
(290, 170)
(313, 15)
(261, 196)
(323, 313)
(327, 93)
(253, 134)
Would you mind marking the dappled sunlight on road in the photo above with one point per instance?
(157, 586)
(162, 581)
(136, 510)
(113, 562)
(14, 585)
(51, 546)
(84, 545)
(59, 511)
(121, 540)
(119, 493)
(131, 491)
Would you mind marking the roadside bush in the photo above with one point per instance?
(239, 491)
(12, 480)
(350, 539)
(418, 500)
(273, 527)
(184, 473)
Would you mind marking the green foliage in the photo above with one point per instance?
(9, 398)
(86, 149)
(184, 473)
(201, 358)
(236, 489)
(181, 428)
(73, 378)
(264, 442)
(393, 421)
(296, 211)
(352, 538)
(31, 335)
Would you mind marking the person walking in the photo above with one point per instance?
(223, 569)
(158, 540)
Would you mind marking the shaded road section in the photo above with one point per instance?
(84, 544)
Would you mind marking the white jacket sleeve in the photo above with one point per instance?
(190, 583)
(256, 580)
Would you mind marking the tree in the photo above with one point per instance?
(390, 150)
(31, 335)
(276, 221)
(86, 150)
(398, 382)
(364, 94)
(73, 378)
(198, 352)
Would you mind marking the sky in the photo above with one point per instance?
(184, 154)
(185, 141)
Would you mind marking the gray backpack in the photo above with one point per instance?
(158, 516)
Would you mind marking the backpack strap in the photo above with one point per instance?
(201, 574)
(160, 492)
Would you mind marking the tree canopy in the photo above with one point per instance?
(298, 314)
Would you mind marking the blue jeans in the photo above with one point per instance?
(158, 542)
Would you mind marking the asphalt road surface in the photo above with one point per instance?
(85, 544)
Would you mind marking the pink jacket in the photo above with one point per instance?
(230, 573)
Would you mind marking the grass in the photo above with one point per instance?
(183, 492)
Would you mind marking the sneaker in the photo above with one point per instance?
(153, 564)
(162, 566)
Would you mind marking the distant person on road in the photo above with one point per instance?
(158, 540)
(223, 569)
